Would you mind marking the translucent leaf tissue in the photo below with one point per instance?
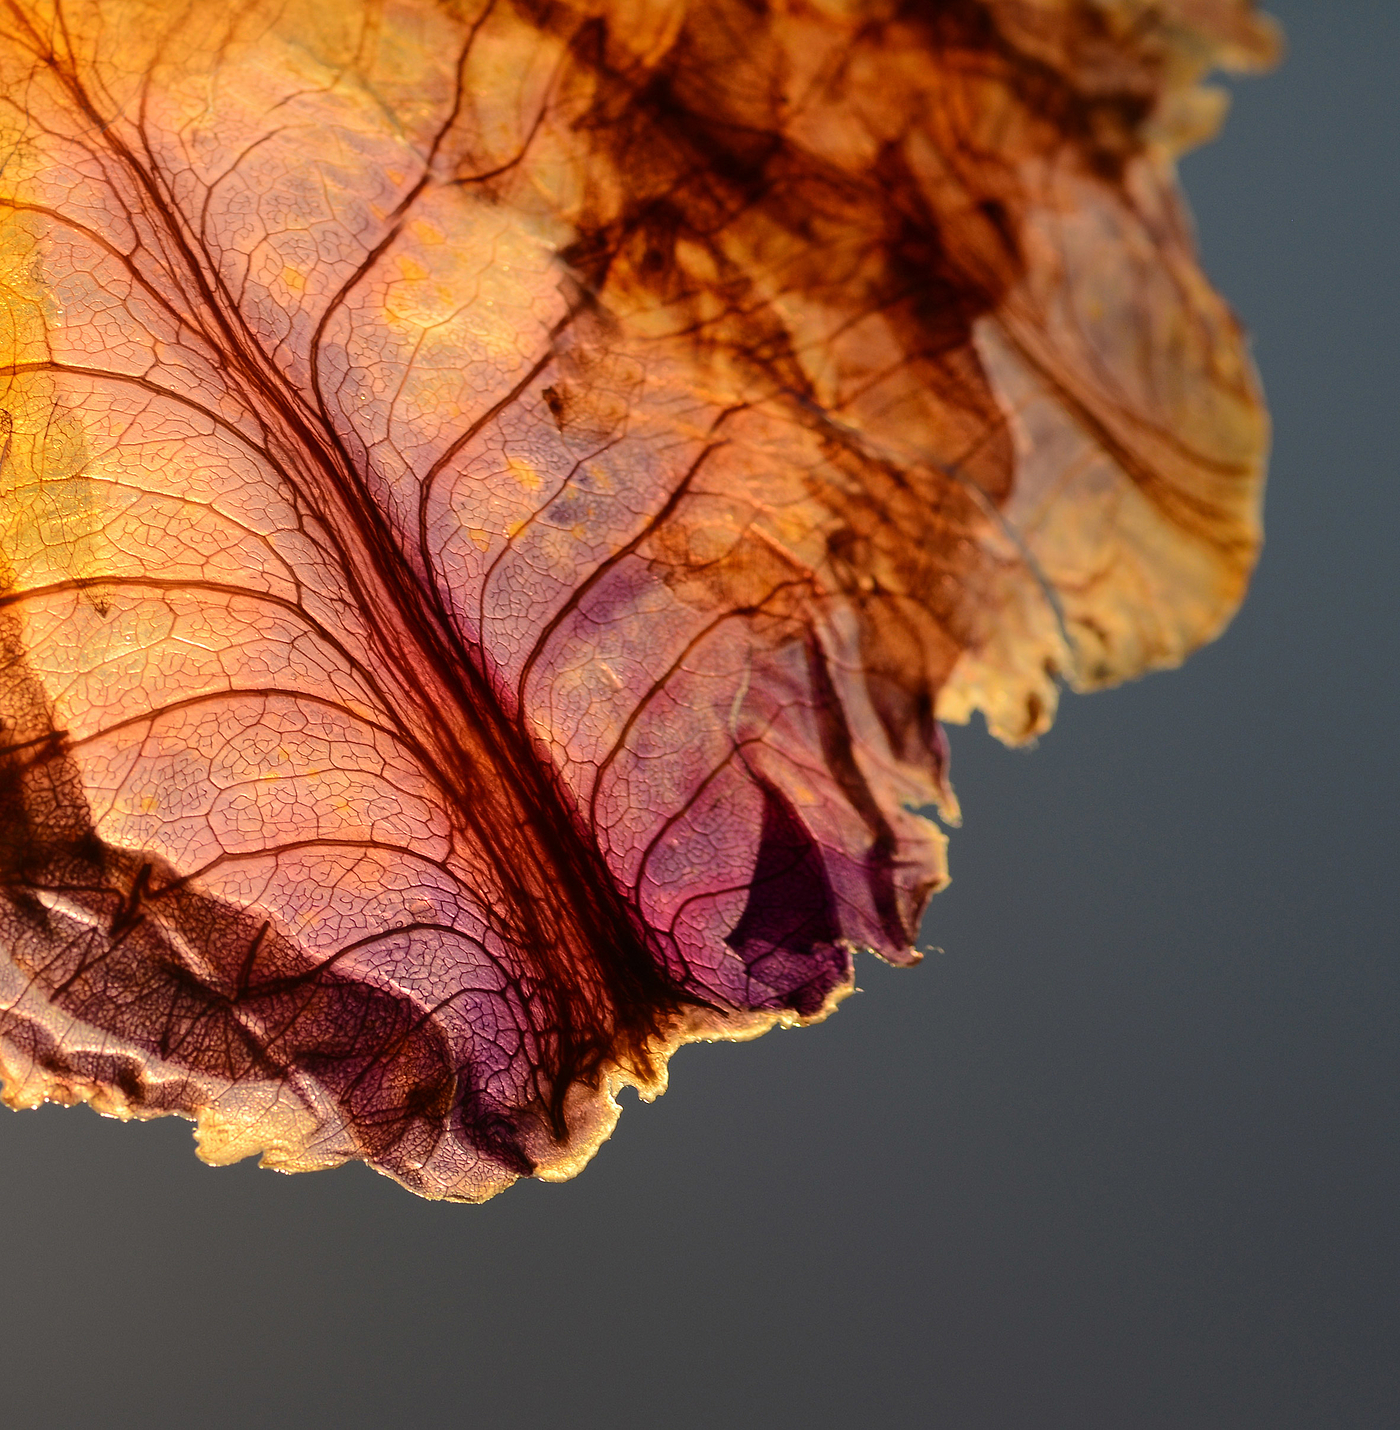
(498, 498)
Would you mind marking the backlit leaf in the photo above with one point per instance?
(496, 499)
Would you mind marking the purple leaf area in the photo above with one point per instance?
(496, 501)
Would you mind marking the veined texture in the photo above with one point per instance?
(497, 498)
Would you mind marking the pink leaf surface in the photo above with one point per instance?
(496, 500)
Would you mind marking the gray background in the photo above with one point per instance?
(1124, 1157)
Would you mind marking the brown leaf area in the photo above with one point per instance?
(497, 499)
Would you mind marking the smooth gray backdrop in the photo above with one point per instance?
(1125, 1157)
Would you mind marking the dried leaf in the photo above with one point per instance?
(497, 498)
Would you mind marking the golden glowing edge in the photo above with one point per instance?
(275, 1124)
